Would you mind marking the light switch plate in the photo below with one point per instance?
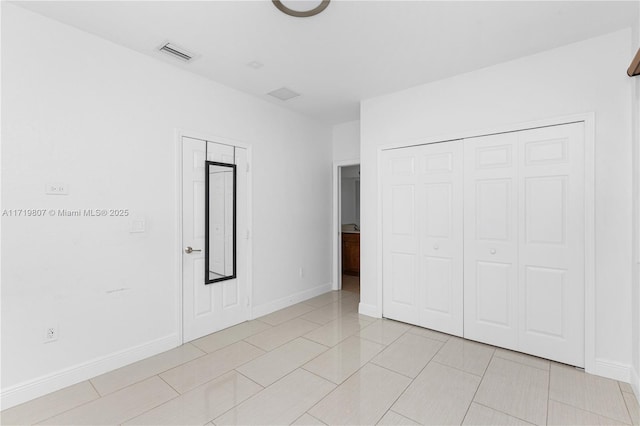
(56, 189)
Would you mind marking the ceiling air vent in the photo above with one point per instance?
(176, 52)
(283, 93)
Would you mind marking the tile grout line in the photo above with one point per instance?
(397, 398)
(588, 411)
(348, 377)
(279, 346)
(227, 345)
(502, 412)
(150, 376)
(257, 347)
(264, 388)
(288, 319)
(102, 397)
(177, 391)
(351, 375)
(249, 378)
(386, 345)
(302, 335)
(94, 387)
(456, 368)
(410, 383)
(307, 414)
(153, 408)
(314, 417)
(522, 365)
(318, 343)
(492, 356)
(247, 398)
(393, 371)
(548, 395)
(626, 405)
(343, 338)
(473, 398)
(65, 411)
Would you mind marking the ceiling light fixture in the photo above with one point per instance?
(301, 8)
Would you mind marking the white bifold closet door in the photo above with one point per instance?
(491, 239)
(515, 227)
(524, 241)
(422, 236)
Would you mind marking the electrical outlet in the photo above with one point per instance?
(50, 334)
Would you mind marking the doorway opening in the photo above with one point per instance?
(347, 226)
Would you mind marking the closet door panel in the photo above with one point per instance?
(551, 248)
(400, 238)
(440, 292)
(422, 236)
(491, 240)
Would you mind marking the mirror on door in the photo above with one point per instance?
(220, 222)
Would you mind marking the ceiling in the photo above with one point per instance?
(352, 51)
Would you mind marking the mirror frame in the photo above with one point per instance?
(208, 165)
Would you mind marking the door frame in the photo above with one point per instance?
(248, 234)
(337, 222)
(591, 364)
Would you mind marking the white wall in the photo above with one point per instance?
(588, 76)
(101, 118)
(635, 380)
(346, 141)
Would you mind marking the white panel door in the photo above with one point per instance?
(400, 235)
(524, 241)
(422, 227)
(491, 240)
(210, 307)
(551, 242)
(440, 273)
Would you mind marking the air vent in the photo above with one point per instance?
(283, 94)
(176, 52)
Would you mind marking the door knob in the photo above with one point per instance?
(190, 250)
(436, 246)
(492, 251)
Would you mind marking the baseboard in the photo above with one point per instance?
(635, 383)
(267, 308)
(369, 310)
(612, 370)
(43, 385)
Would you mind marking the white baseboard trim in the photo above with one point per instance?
(369, 310)
(43, 385)
(612, 370)
(267, 308)
(635, 383)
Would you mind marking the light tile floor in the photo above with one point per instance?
(319, 362)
